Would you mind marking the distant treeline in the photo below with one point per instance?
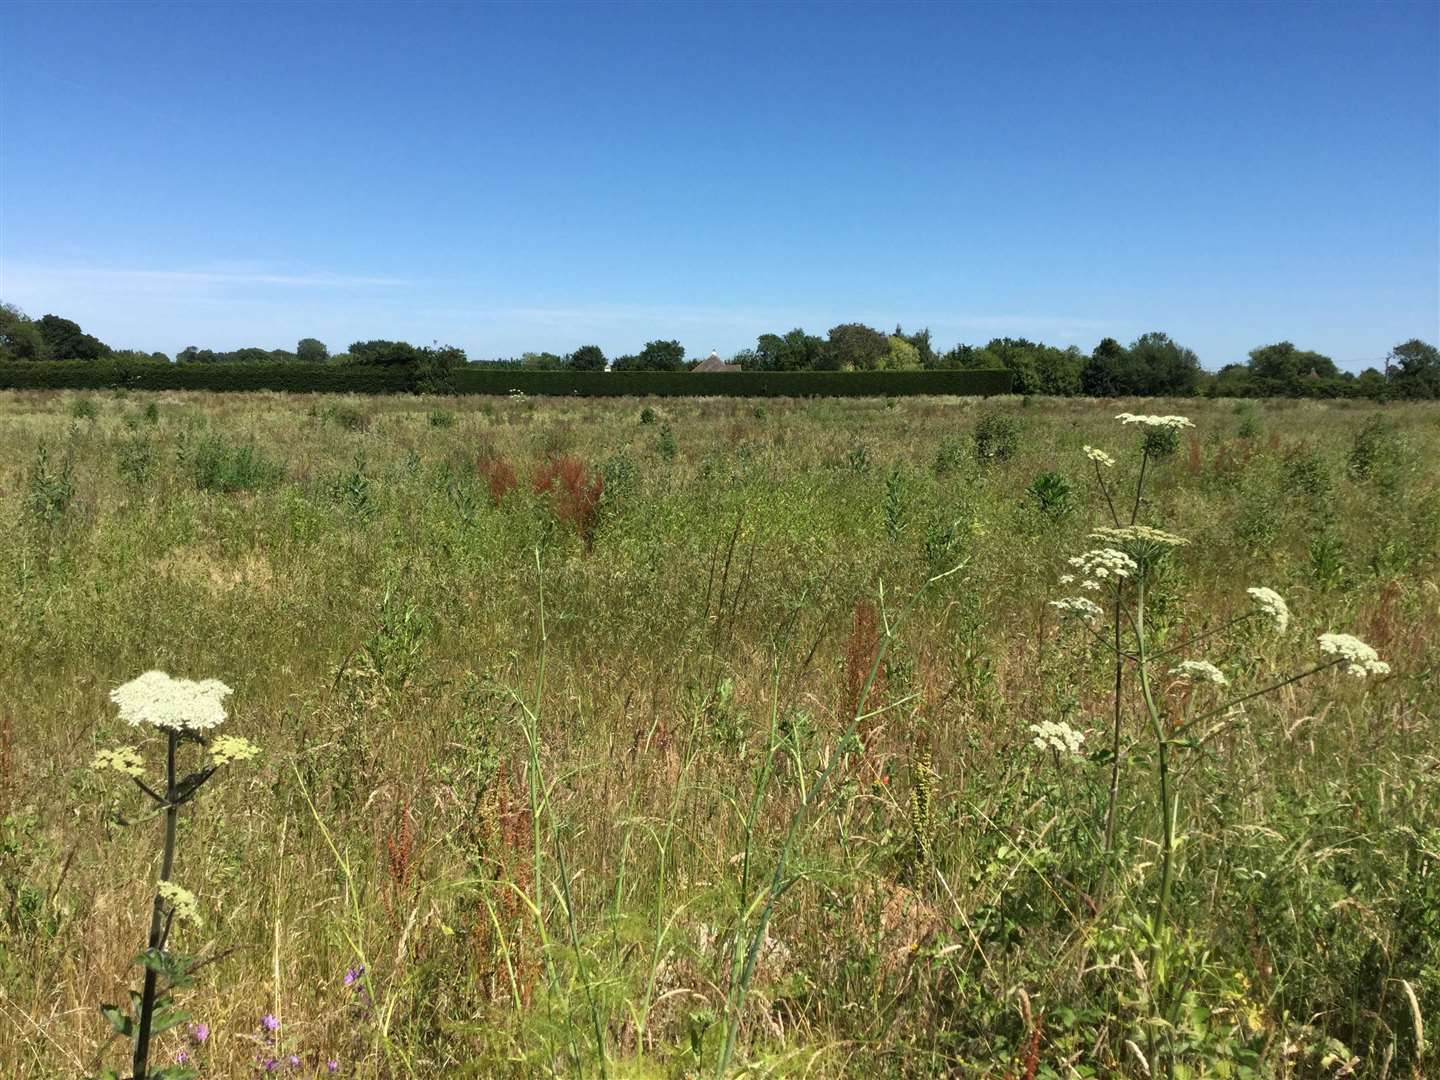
(1153, 365)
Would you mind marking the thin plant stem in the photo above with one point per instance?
(140, 1065)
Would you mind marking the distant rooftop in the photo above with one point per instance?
(714, 363)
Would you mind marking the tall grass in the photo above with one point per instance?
(723, 810)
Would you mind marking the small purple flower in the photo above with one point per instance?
(352, 975)
(269, 1064)
(269, 1023)
(199, 1032)
(181, 1057)
(332, 1066)
(294, 1061)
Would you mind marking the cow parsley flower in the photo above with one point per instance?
(1273, 605)
(1057, 735)
(1099, 457)
(1173, 422)
(1361, 659)
(1137, 534)
(125, 759)
(182, 900)
(1102, 563)
(227, 749)
(1079, 606)
(157, 699)
(1200, 671)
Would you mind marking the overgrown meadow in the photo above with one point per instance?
(714, 737)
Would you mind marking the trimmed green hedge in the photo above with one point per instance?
(357, 379)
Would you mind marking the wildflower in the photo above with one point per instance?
(1099, 457)
(353, 975)
(269, 1023)
(1272, 604)
(181, 1057)
(1138, 534)
(1102, 563)
(1173, 422)
(181, 900)
(231, 748)
(1056, 735)
(1360, 659)
(1079, 606)
(1200, 671)
(1066, 579)
(174, 704)
(125, 759)
(200, 1032)
(332, 1066)
(294, 1060)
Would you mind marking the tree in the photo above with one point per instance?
(20, 339)
(1416, 371)
(542, 361)
(1155, 365)
(311, 351)
(1282, 370)
(902, 356)
(924, 349)
(64, 340)
(855, 346)
(386, 353)
(587, 358)
(661, 356)
(795, 351)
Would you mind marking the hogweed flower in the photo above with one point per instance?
(1360, 659)
(1272, 604)
(226, 749)
(1102, 563)
(1100, 457)
(124, 759)
(1057, 735)
(1200, 671)
(1173, 422)
(1079, 607)
(181, 900)
(157, 699)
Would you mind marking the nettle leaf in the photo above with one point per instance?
(119, 1019)
(165, 1020)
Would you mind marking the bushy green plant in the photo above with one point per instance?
(218, 465)
(996, 437)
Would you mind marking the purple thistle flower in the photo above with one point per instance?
(270, 1065)
(181, 1057)
(294, 1061)
(200, 1032)
(269, 1023)
(332, 1066)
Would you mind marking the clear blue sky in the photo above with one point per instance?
(539, 176)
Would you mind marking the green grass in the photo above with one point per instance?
(536, 845)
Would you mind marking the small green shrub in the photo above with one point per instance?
(217, 465)
(441, 418)
(84, 408)
(1375, 452)
(1161, 443)
(665, 443)
(997, 437)
(49, 492)
(1052, 495)
(647, 415)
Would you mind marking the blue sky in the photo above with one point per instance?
(515, 177)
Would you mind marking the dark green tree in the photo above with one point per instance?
(64, 340)
(311, 351)
(855, 346)
(661, 356)
(1415, 369)
(20, 339)
(587, 358)
(382, 352)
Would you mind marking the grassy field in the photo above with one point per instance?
(681, 767)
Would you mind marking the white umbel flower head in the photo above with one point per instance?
(1057, 735)
(1273, 605)
(1361, 659)
(1099, 457)
(1079, 607)
(1173, 422)
(1200, 671)
(181, 900)
(157, 699)
(1103, 563)
(124, 759)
